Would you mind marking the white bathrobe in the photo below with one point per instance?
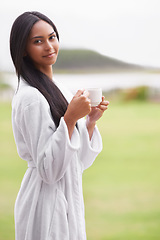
(49, 205)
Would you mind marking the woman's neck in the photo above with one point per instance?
(47, 71)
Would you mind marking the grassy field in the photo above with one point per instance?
(121, 189)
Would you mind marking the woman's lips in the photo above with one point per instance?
(49, 55)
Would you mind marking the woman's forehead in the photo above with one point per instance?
(41, 28)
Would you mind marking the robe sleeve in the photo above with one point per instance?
(89, 148)
(51, 149)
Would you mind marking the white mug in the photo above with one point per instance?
(95, 95)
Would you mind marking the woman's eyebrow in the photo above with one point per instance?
(51, 33)
(42, 36)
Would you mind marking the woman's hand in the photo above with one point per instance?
(79, 107)
(95, 114)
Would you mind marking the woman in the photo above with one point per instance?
(51, 135)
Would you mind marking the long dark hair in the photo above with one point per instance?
(26, 70)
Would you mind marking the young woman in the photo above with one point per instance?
(51, 135)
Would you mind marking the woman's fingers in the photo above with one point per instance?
(82, 92)
(103, 107)
(104, 104)
(86, 93)
(79, 93)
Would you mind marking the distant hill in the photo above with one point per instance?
(81, 60)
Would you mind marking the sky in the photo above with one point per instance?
(128, 30)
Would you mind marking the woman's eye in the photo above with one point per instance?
(37, 41)
(52, 37)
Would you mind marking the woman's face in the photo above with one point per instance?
(42, 45)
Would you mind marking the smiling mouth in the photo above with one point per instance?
(49, 55)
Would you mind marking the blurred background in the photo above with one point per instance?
(113, 45)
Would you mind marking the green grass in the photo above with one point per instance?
(121, 189)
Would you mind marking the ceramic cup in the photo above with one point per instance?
(95, 95)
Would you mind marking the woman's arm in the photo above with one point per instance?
(79, 107)
(94, 115)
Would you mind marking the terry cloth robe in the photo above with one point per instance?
(50, 205)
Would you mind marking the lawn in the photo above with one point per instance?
(121, 189)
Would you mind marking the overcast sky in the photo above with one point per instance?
(128, 30)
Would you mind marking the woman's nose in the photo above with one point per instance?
(48, 45)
